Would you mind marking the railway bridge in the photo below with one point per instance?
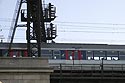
(102, 68)
(88, 71)
(41, 70)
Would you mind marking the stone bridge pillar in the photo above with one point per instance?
(24, 70)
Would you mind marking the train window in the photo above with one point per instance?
(89, 54)
(112, 53)
(96, 58)
(90, 58)
(83, 55)
(63, 56)
(56, 57)
(46, 52)
(47, 55)
(56, 52)
(15, 53)
(100, 58)
(114, 58)
(99, 53)
(4, 52)
(22, 53)
(109, 58)
(70, 57)
(76, 55)
(122, 55)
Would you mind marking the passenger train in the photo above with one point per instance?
(58, 51)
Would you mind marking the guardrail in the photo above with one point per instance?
(88, 65)
(106, 67)
(68, 71)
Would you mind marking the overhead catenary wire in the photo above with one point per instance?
(81, 30)
(8, 29)
(63, 39)
(90, 23)
(86, 26)
(78, 26)
(75, 26)
(75, 31)
(88, 31)
(69, 22)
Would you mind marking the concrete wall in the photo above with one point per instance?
(24, 78)
(88, 81)
(24, 70)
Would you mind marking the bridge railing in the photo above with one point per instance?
(96, 70)
(106, 67)
(88, 65)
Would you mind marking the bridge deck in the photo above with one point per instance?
(87, 69)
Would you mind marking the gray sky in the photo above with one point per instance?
(78, 21)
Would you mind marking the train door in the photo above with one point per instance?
(20, 53)
(13, 53)
(25, 53)
(79, 55)
(73, 55)
(69, 54)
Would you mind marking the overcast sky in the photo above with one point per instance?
(78, 21)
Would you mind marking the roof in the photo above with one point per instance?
(69, 46)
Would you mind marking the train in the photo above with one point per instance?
(61, 51)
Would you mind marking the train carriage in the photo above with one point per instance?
(69, 51)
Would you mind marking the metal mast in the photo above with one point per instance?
(37, 30)
(38, 17)
(39, 26)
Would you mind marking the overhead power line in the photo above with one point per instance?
(99, 39)
(100, 27)
(89, 31)
(67, 22)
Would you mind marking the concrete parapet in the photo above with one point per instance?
(24, 70)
